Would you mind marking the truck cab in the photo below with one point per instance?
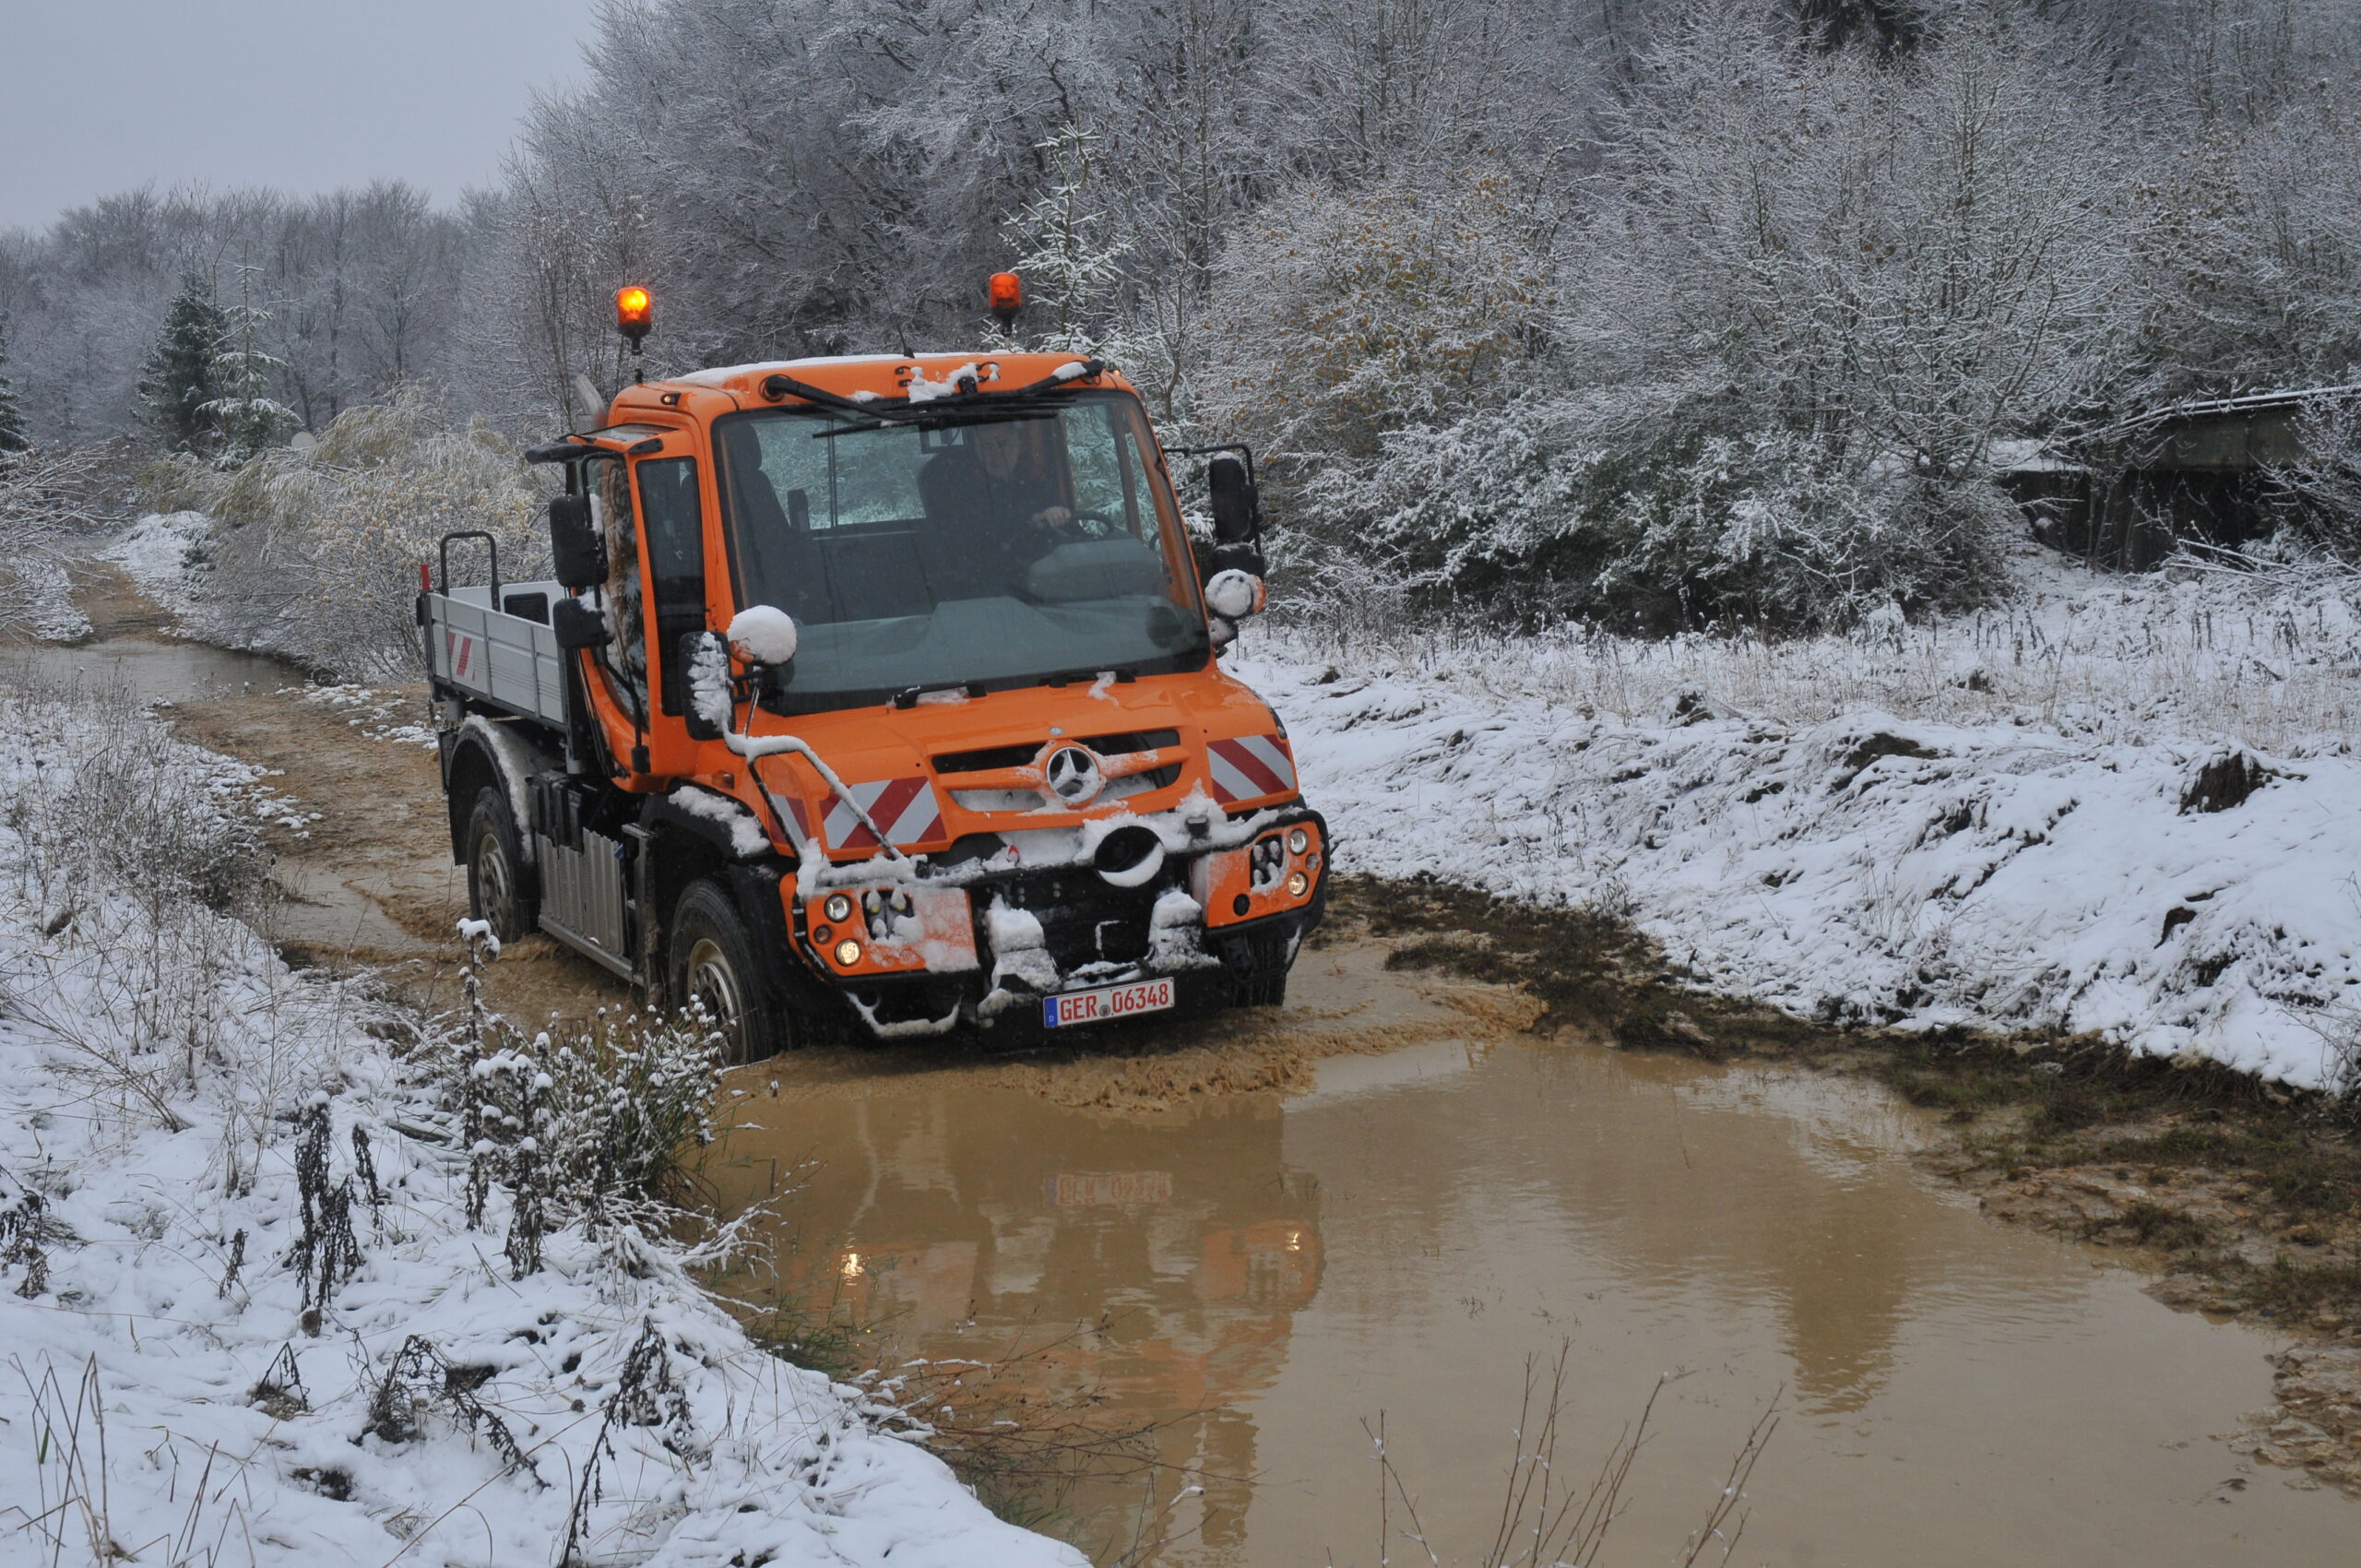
(879, 696)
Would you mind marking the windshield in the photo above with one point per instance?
(1003, 553)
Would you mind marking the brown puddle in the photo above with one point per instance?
(170, 672)
(1262, 1269)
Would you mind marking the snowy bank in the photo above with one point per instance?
(244, 1313)
(2046, 817)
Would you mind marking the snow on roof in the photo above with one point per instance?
(2020, 455)
(721, 375)
(2249, 403)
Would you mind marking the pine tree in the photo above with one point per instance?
(12, 421)
(177, 384)
(242, 374)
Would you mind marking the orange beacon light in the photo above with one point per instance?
(1005, 293)
(634, 313)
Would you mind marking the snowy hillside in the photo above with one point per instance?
(2118, 805)
(244, 1315)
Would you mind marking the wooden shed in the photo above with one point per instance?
(2126, 495)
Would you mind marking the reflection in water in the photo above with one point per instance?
(1156, 1264)
(1262, 1274)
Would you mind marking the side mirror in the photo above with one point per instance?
(762, 633)
(577, 625)
(1238, 508)
(576, 549)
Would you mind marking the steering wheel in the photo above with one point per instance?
(1095, 525)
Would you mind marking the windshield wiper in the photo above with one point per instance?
(901, 410)
(910, 695)
(1088, 677)
(938, 422)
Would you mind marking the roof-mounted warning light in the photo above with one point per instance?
(634, 313)
(1006, 292)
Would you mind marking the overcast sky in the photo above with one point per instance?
(103, 95)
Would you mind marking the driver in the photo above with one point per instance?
(1000, 477)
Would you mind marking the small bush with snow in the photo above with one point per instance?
(314, 555)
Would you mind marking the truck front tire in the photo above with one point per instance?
(496, 891)
(710, 963)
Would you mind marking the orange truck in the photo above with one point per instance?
(879, 696)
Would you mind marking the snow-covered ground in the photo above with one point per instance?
(156, 553)
(164, 553)
(162, 1399)
(59, 619)
(2122, 805)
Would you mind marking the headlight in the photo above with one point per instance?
(838, 908)
(1299, 841)
(847, 953)
(1297, 884)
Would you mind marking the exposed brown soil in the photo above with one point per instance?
(113, 603)
(370, 880)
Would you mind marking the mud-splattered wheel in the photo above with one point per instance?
(712, 966)
(496, 891)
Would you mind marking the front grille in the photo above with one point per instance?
(986, 759)
(1084, 920)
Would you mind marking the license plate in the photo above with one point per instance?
(1107, 1002)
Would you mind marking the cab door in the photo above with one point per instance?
(673, 567)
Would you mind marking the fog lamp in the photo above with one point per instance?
(1297, 884)
(847, 953)
(837, 908)
(1299, 841)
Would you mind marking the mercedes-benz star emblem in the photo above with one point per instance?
(1072, 776)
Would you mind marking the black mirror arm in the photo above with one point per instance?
(565, 449)
(1243, 450)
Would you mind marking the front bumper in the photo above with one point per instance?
(983, 947)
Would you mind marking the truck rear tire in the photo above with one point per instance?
(496, 891)
(710, 962)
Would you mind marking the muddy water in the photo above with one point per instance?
(166, 672)
(1263, 1271)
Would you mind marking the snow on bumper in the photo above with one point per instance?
(1116, 899)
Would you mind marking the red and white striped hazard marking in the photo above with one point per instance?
(1250, 768)
(798, 826)
(903, 808)
(462, 651)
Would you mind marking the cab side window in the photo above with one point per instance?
(611, 503)
(673, 521)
